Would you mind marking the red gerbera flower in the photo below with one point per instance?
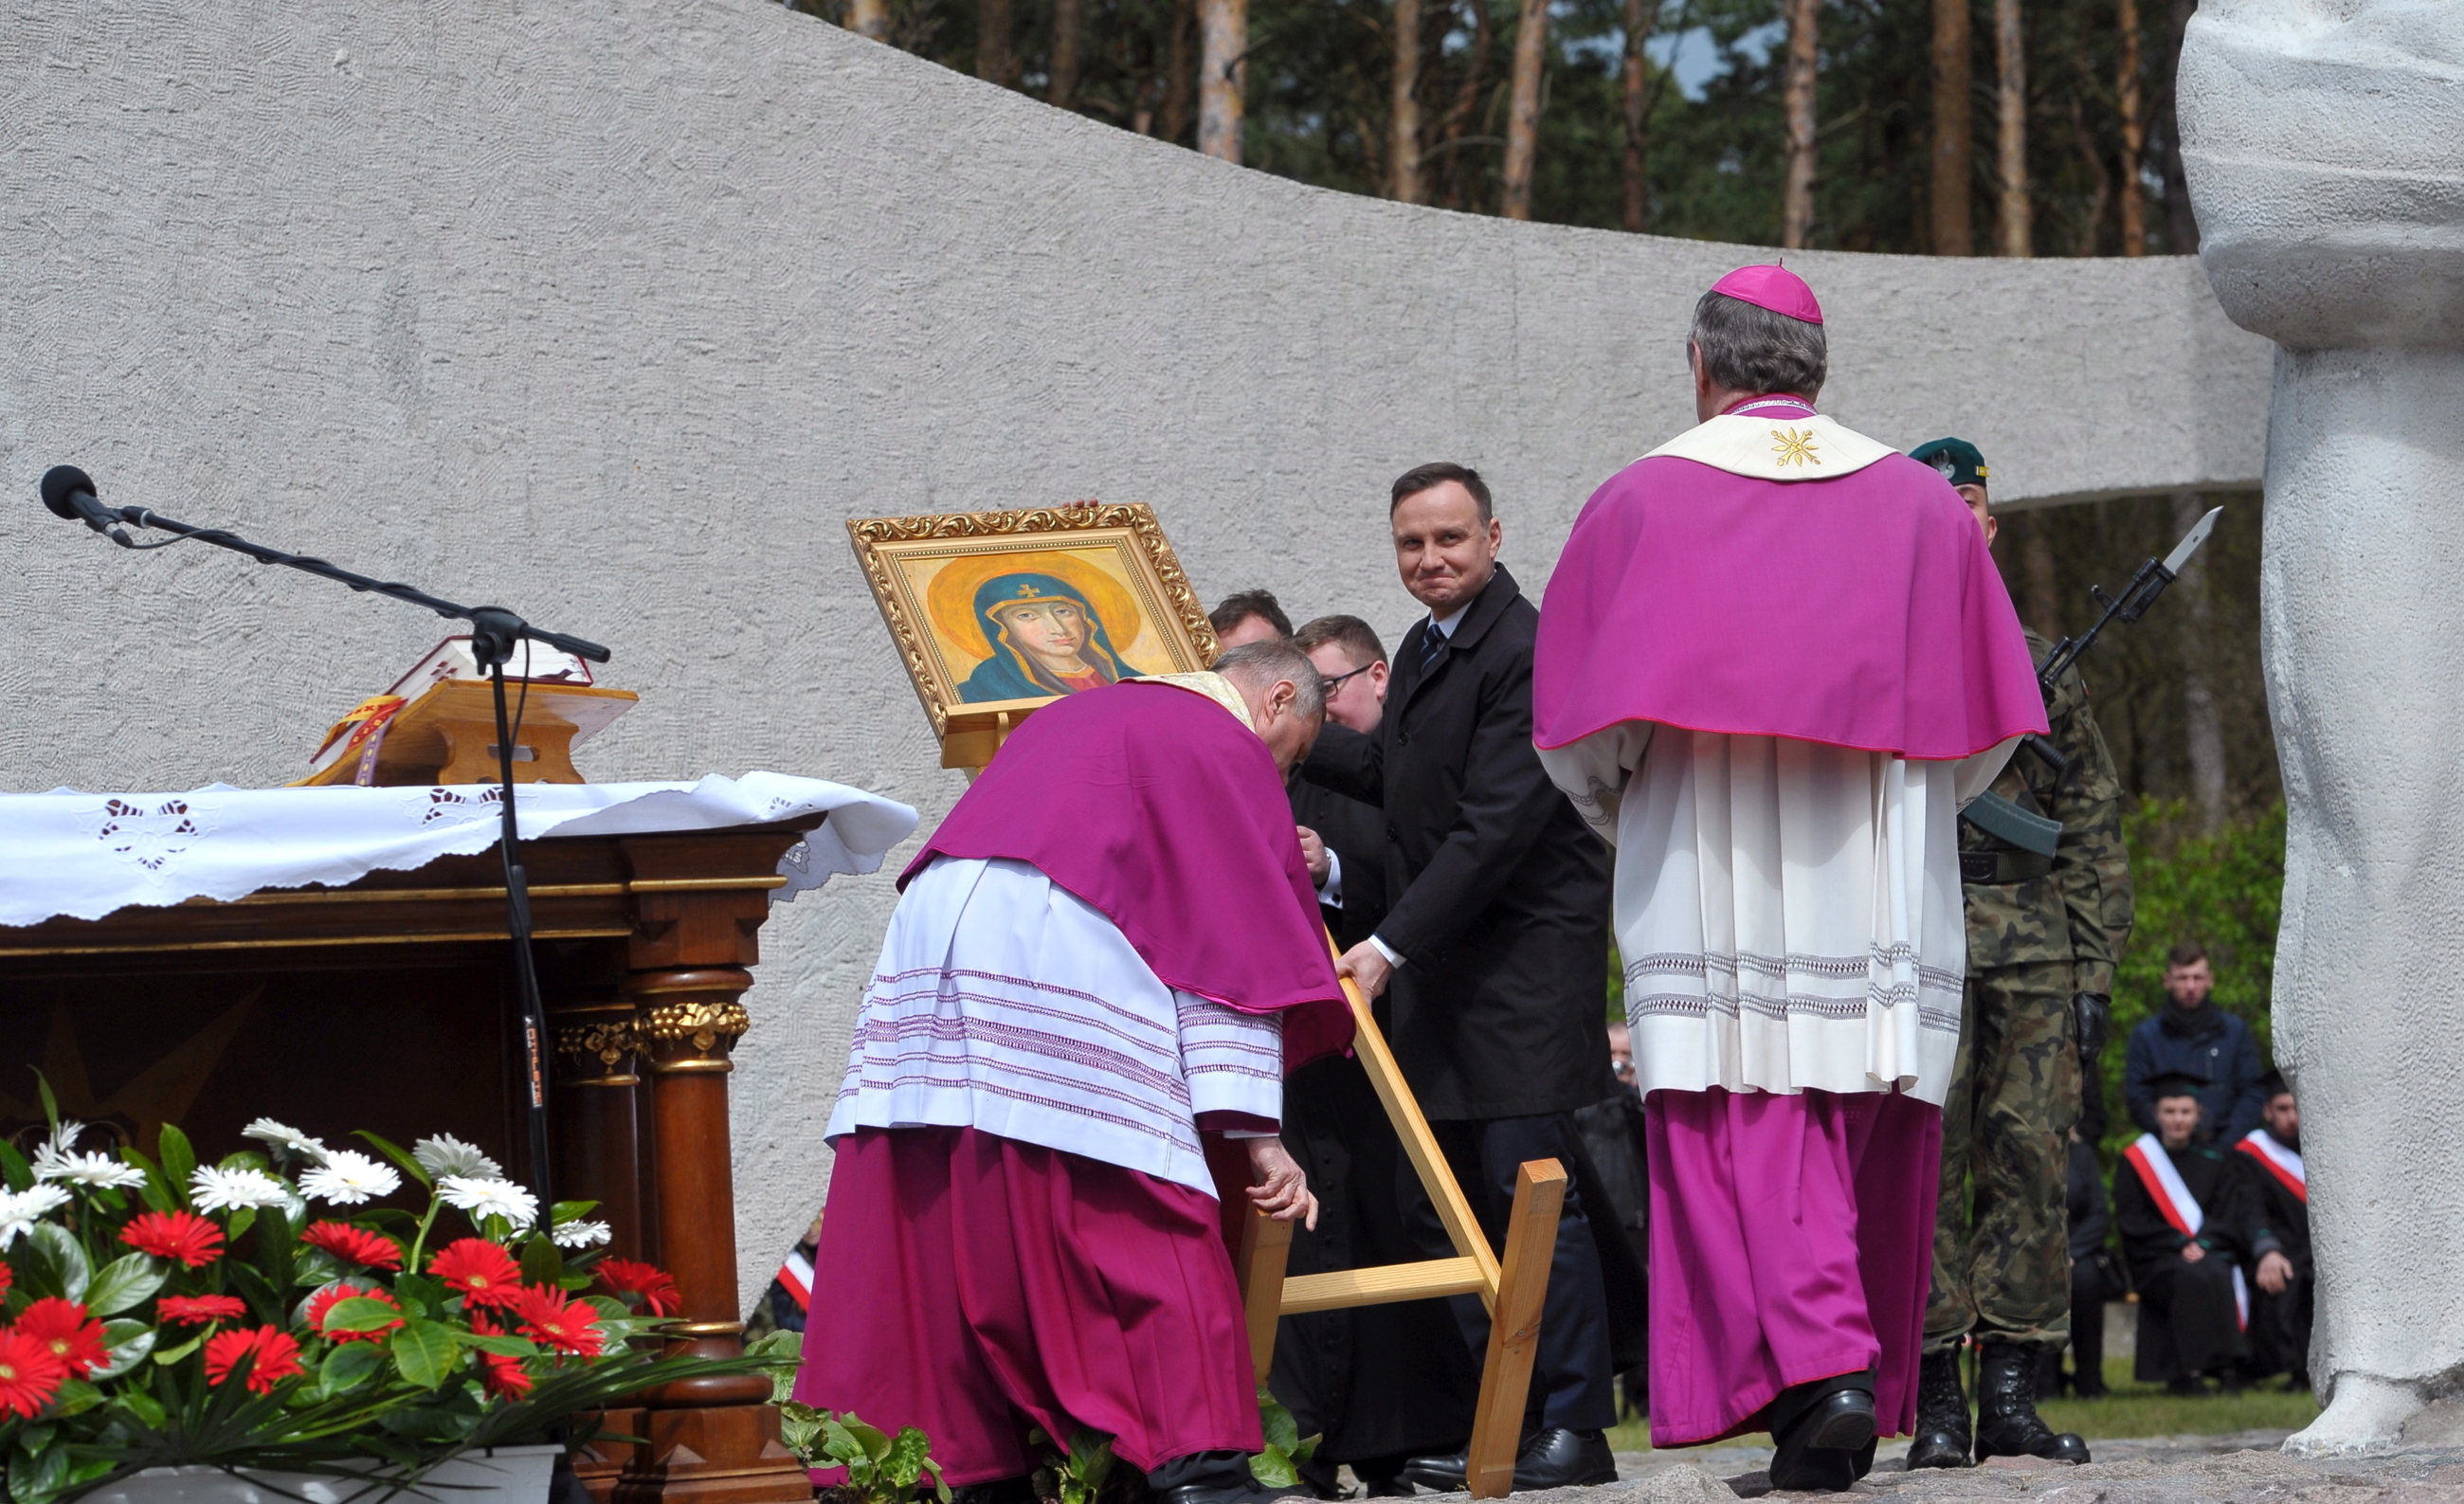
(198, 1309)
(69, 1330)
(499, 1374)
(354, 1245)
(481, 1273)
(7, 1277)
(29, 1375)
(183, 1235)
(271, 1357)
(655, 1286)
(334, 1294)
(550, 1317)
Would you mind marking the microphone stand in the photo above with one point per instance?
(494, 632)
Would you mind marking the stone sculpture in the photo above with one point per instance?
(2325, 142)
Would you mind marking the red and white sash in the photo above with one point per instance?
(2181, 1208)
(797, 1274)
(2284, 1163)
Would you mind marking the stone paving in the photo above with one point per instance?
(2244, 1469)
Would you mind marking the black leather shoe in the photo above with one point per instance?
(1820, 1428)
(1943, 1435)
(1558, 1458)
(2007, 1423)
(1004, 1490)
(1213, 1477)
(1444, 1473)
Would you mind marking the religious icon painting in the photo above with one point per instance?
(996, 613)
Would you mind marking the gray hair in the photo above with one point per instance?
(1263, 665)
(1751, 349)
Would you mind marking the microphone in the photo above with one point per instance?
(69, 491)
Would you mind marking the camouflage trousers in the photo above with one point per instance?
(2001, 1236)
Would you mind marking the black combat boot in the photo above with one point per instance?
(2007, 1423)
(1942, 1437)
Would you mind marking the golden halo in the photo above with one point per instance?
(951, 597)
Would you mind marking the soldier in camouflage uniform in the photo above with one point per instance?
(2043, 933)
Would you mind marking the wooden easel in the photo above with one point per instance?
(1514, 1291)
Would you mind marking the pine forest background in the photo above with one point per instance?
(2013, 127)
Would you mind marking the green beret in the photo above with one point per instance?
(1956, 458)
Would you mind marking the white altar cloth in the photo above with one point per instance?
(83, 856)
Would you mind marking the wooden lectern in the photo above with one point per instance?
(389, 1004)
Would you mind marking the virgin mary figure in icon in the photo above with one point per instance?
(1046, 639)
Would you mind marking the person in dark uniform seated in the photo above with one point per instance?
(2281, 1292)
(1379, 1383)
(2185, 1214)
(2096, 1276)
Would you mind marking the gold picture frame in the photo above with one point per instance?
(996, 613)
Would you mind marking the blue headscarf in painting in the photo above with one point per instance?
(1013, 673)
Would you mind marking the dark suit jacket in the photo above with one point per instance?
(1355, 833)
(1498, 896)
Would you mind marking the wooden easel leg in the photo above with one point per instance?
(1514, 1328)
(1266, 1246)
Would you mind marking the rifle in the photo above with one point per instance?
(1998, 816)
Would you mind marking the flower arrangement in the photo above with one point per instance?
(263, 1312)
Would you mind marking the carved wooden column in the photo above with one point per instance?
(598, 1155)
(712, 1441)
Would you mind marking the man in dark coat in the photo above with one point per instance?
(1379, 1383)
(2094, 1277)
(2185, 1214)
(2281, 1295)
(2191, 1036)
(1495, 941)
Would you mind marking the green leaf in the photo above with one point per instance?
(129, 1342)
(425, 1351)
(571, 1211)
(75, 1397)
(144, 1408)
(409, 1165)
(59, 1250)
(1273, 1469)
(350, 1367)
(508, 1346)
(38, 1472)
(241, 1220)
(361, 1314)
(541, 1263)
(178, 1162)
(1283, 1433)
(21, 1175)
(908, 1455)
(173, 1355)
(50, 1103)
(126, 1281)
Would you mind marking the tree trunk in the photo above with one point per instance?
(2204, 728)
(1523, 111)
(1484, 40)
(1954, 131)
(1796, 204)
(2092, 223)
(868, 18)
(1180, 71)
(1225, 26)
(1640, 17)
(2134, 134)
(2013, 223)
(2181, 226)
(1403, 109)
(1068, 27)
(996, 29)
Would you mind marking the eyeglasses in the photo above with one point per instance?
(1329, 686)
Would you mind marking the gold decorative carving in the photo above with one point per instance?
(880, 543)
(705, 1024)
(607, 1042)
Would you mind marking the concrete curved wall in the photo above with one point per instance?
(613, 313)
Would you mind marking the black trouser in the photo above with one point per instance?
(2199, 1331)
(1572, 1385)
(2279, 1329)
(2089, 1291)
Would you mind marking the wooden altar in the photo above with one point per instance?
(389, 1004)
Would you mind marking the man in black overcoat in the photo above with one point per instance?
(1495, 943)
(2280, 1295)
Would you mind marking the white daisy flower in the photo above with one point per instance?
(488, 1197)
(581, 1234)
(91, 1168)
(348, 1177)
(65, 1137)
(217, 1189)
(285, 1137)
(445, 1154)
(20, 1210)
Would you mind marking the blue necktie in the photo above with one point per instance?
(1432, 644)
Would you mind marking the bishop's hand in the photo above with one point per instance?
(1277, 1186)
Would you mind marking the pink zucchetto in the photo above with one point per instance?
(1773, 287)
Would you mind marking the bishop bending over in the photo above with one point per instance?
(1774, 662)
(1110, 951)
